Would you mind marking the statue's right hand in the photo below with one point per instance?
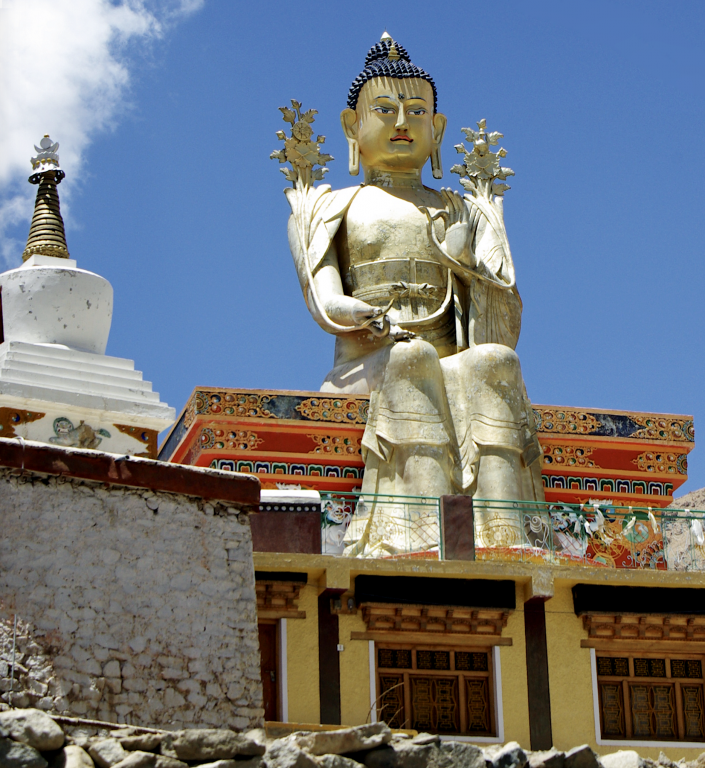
(364, 313)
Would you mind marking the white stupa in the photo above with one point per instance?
(56, 383)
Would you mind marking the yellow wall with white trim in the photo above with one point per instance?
(570, 681)
(570, 676)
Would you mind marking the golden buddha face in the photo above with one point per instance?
(394, 125)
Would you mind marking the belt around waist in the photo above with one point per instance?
(392, 271)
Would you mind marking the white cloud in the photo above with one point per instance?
(65, 69)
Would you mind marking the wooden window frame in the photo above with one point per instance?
(626, 683)
(460, 675)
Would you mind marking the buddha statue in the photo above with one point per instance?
(418, 287)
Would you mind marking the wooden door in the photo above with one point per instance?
(268, 665)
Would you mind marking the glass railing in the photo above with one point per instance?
(598, 534)
(381, 525)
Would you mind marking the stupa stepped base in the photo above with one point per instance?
(54, 394)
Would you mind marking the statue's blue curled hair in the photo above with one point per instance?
(379, 64)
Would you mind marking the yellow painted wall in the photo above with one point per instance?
(569, 677)
(354, 672)
(302, 660)
(515, 694)
(570, 680)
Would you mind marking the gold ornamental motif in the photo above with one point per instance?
(664, 428)
(233, 404)
(190, 413)
(244, 440)
(499, 530)
(568, 456)
(342, 410)
(340, 444)
(566, 422)
(651, 461)
(237, 440)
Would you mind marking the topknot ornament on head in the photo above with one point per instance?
(388, 58)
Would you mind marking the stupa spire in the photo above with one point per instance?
(46, 233)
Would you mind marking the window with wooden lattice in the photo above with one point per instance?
(437, 690)
(651, 696)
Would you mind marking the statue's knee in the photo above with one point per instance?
(497, 361)
(413, 352)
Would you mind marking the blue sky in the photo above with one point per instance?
(166, 124)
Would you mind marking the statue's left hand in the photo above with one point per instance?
(458, 233)
(397, 333)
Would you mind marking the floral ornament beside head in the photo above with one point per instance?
(481, 169)
(299, 150)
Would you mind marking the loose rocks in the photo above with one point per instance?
(138, 760)
(208, 744)
(146, 742)
(31, 739)
(284, 753)
(14, 754)
(72, 756)
(345, 740)
(107, 752)
(513, 756)
(581, 757)
(33, 727)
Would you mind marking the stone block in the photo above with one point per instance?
(286, 754)
(551, 758)
(345, 740)
(72, 756)
(512, 756)
(208, 744)
(625, 758)
(146, 742)
(581, 757)
(32, 727)
(13, 754)
(459, 753)
(138, 760)
(106, 752)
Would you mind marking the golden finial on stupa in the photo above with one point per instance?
(46, 232)
(393, 54)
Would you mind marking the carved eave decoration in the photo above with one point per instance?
(644, 627)
(436, 620)
(278, 600)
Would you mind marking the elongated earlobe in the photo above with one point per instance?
(348, 119)
(353, 157)
(436, 165)
(439, 129)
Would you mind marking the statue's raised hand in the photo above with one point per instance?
(457, 224)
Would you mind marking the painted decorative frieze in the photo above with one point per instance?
(66, 427)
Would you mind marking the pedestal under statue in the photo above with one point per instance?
(418, 286)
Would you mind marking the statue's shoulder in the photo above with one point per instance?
(335, 204)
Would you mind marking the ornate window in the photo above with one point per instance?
(436, 689)
(647, 696)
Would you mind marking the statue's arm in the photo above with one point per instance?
(490, 252)
(331, 308)
(494, 313)
(340, 308)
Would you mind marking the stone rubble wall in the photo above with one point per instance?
(31, 739)
(131, 605)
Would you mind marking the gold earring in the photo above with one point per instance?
(436, 165)
(353, 157)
